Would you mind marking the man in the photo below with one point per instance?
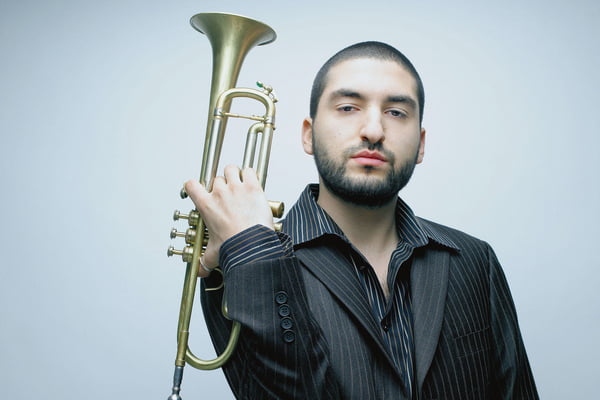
(357, 298)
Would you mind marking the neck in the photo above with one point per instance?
(369, 229)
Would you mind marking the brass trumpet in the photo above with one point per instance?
(231, 37)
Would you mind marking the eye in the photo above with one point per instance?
(397, 113)
(346, 108)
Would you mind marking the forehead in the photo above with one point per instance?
(371, 75)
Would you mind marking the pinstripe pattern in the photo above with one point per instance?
(394, 315)
(466, 338)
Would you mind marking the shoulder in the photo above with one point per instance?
(472, 261)
(464, 242)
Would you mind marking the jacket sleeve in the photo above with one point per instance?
(281, 352)
(513, 378)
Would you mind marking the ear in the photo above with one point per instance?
(421, 147)
(307, 137)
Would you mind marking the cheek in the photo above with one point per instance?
(405, 147)
(331, 138)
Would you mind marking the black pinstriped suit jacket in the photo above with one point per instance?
(467, 340)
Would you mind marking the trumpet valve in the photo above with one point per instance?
(193, 217)
(186, 254)
(183, 194)
(189, 235)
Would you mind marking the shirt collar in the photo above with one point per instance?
(307, 221)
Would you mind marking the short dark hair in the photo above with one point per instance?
(377, 50)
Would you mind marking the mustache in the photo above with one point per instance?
(378, 146)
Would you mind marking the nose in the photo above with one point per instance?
(372, 127)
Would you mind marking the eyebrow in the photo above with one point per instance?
(345, 93)
(403, 99)
(356, 95)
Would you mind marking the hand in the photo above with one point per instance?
(235, 203)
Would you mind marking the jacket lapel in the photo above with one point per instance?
(334, 271)
(429, 285)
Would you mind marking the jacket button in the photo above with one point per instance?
(284, 310)
(289, 336)
(281, 297)
(286, 323)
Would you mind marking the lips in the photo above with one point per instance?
(369, 158)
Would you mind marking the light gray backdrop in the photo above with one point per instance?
(102, 114)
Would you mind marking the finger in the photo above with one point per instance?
(249, 176)
(211, 256)
(218, 184)
(202, 273)
(195, 190)
(232, 174)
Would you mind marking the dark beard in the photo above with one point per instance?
(364, 192)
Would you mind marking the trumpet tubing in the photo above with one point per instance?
(231, 37)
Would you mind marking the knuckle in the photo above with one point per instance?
(218, 181)
(231, 169)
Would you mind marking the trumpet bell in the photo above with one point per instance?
(218, 26)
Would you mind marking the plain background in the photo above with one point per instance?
(102, 113)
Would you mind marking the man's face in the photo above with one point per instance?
(366, 135)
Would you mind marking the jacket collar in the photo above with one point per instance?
(307, 221)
